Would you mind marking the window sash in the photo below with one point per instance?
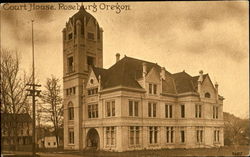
(136, 108)
(150, 89)
(113, 108)
(153, 135)
(71, 113)
(182, 136)
(130, 108)
(110, 136)
(154, 109)
(108, 109)
(71, 137)
(93, 111)
(168, 111)
(155, 88)
(149, 109)
(182, 111)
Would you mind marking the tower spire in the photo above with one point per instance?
(82, 7)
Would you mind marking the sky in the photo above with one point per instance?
(212, 36)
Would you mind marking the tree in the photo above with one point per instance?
(52, 107)
(13, 83)
(236, 130)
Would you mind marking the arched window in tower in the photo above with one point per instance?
(70, 36)
(207, 95)
(90, 61)
(71, 111)
(70, 64)
(91, 36)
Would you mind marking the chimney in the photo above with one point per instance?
(117, 57)
(144, 69)
(200, 81)
(144, 72)
(201, 76)
(163, 73)
(99, 85)
(217, 92)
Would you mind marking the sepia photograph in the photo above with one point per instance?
(124, 79)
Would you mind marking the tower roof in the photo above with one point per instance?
(81, 14)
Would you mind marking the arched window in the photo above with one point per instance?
(207, 95)
(71, 111)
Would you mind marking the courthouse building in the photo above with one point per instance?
(134, 104)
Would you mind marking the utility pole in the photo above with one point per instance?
(33, 93)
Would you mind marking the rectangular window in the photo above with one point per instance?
(153, 135)
(70, 64)
(170, 134)
(149, 109)
(215, 112)
(136, 108)
(113, 108)
(168, 111)
(133, 108)
(71, 113)
(71, 136)
(130, 108)
(199, 135)
(93, 111)
(134, 135)
(110, 136)
(217, 135)
(110, 108)
(152, 109)
(182, 111)
(93, 91)
(91, 36)
(150, 89)
(182, 136)
(155, 88)
(198, 111)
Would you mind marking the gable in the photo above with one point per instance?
(92, 80)
(208, 87)
(153, 76)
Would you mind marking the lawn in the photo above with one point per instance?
(224, 151)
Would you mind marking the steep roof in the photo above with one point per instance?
(183, 82)
(81, 14)
(23, 117)
(127, 71)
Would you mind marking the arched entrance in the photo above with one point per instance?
(93, 140)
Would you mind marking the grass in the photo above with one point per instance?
(223, 151)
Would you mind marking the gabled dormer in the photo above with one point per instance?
(206, 89)
(153, 82)
(93, 84)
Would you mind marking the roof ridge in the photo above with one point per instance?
(141, 60)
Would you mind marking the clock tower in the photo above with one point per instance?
(82, 48)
